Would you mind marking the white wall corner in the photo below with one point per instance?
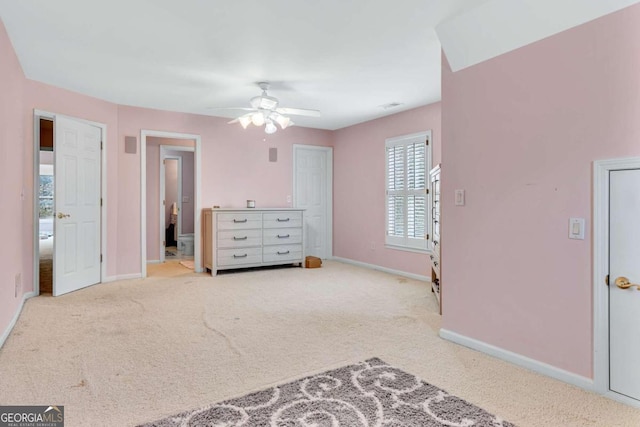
(514, 24)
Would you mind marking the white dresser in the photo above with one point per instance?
(240, 238)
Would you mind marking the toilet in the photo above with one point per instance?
(185, 244)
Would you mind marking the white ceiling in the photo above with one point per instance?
(346, 58)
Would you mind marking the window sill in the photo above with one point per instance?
(407, 249)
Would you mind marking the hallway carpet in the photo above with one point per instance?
(131, 352)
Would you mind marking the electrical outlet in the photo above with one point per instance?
(18, 283)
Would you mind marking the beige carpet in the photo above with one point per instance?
(135, 351)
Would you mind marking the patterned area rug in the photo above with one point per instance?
(369, 393)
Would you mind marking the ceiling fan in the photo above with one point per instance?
(265, 111)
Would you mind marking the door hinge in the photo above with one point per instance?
(101, 145)
(606, 280)
(163, 203)
(164, 243)
(427, 142)
(426, 191)
(427, 237)
(100, 201)
(100, 257)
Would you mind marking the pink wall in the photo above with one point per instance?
(15, 214)
(359, 197)
(235, 167)
(520, 134)
(153, 192)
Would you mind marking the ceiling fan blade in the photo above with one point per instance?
(244, 120)
(298, 112)
(237, 119)
(231, 108)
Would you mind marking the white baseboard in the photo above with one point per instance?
(517, 359)
(621, 398)
(9, 328)
(122, 277)
(384, 269)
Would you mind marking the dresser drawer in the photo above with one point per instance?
(291, 253)
(282, 236)
(282, 219)
(239, 256)
(239, 221)
(239, 238)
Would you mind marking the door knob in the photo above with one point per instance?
(624, 283)
(61, 215)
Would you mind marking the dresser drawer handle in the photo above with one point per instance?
(431, 256)
(240, 220)
(284, 236)
(282, 220)
(435, 242)
(435, 263)
(241, 256)
(240, 238)
(283, 253)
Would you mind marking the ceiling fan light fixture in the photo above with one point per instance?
(268, 102)
(265, 111)
(283, 121)
(245, 121)
(257, 118)
(270, 127)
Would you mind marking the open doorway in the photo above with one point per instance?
(171, 212)
(46, 206)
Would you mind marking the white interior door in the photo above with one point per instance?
(313, 192)
(77, 205)
(624, 304)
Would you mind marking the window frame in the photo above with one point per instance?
(405, 242)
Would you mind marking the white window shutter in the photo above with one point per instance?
(407, 164)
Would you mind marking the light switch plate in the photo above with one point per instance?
(576, 228)
(459, 197)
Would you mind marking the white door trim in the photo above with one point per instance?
(197, 228)
(37, 114)
(601, 170)
(329, 178)
(163, 156)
